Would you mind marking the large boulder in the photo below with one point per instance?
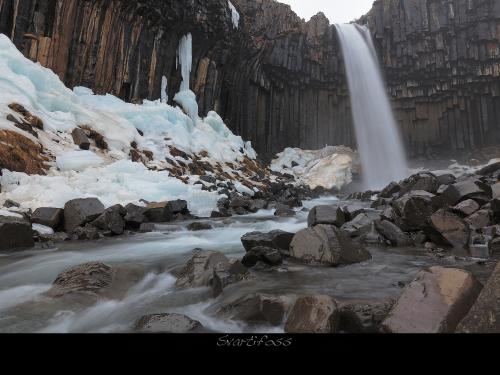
(80, 139)
(461, 191)
(448, 229)
(435, 302)
(15, 234)
(361, 224)
(484, 316)
(326, 244)
(480, 219)
(276, 239)
(392, 233)
(167, 323)
(424, 181)
(413, 210)
(256, 309)
(159, 212)
(329, 215)
(89, 278)
(112, 220)
(48, 216)
(390, 190)
(79, 212)
(364, 316)
(467, 207)
(313, 314)
(266, 255)
(136, 215)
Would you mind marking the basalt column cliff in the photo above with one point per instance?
(278, 80)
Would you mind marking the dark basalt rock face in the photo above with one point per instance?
(277, 80)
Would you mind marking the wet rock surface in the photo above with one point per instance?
(168, 323)
(313, 314)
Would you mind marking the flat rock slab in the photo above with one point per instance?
(330, 215)
(313, 314)
(435, 302)
(484, 316)
(167, 323)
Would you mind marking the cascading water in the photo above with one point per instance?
(380, 146)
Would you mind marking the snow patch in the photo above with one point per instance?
(78, 160)
(235, 16)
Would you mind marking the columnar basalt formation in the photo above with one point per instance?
(277, 80)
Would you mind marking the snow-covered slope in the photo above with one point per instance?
(330, 167)
(174, 148)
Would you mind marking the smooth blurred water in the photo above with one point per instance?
(379, 142)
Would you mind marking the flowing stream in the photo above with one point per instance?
(379, 142)
(25, 276)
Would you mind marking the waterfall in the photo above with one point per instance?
(379, 143)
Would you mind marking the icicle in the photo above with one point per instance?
(164, 90)
(186, 60)
(235, 16)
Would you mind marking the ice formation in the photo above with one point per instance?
(330, 167)
(109, 174)
(235, 16)
(164, 90)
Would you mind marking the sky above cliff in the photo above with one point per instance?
(337, 11)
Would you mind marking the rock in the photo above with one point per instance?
(79, 212)
(491, 231)
(112, 219)
(159, 212)
(364, 316)
(284, 211)
(90, 278)
(446, 179)
(136, 215)
(392, 233)
(313, 314)
(11, 204)
(480, 219)
(241, 202)
(494, 246)
(484, 316)
(257, 205)
(256, 309)
(467, 207)
(15, 234)
(329, 215)
(199, 226)
(147, 227)
(495, 191)
(326, 244)
(489, 169)
(267, 255)
(48, 216)
(413, 211)
(80, 139)
(390, 190)
(276, 239)
(353, 210)
(220, 214)
(208, 179)
(167, 323)
(178, 207)
(86, 233)
(435, 302)
(424, 181)
(361, 225)
(461, 191)
(225, 274)
(448, 229)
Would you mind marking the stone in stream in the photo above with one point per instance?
(484, 316)
(326, 244)
(361, 224)
(276, 239)
(48, 216)
(267, 255)
(199, 226)
(313, 314)
(412, 211)
(80, 139)
(435, 302)
(257, 205)
(86, 233)
(167, 323)
(446, 179)
(353, 210)
(467, 207)
(211, 268)
(364, 316)
(489, 169)
(448, 229)
(330, 215)
(79, 212)
(392, 233)
(479, 219)
(136, 215)
(284, 211)
(112, 219)
(15, 234)
(159, 212)
(256, 309)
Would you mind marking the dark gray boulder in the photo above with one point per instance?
(48, 216)
(276, 239)
(15, 234)
(112, 220)
(267, 255)
(80, 139)
(135, 216)
(329, 215)
(79, 212)
(392, 233)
